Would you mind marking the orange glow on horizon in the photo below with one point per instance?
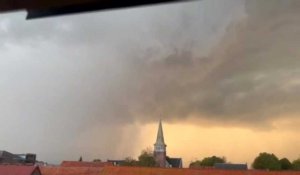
(238, 145)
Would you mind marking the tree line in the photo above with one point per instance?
(269, 161)
(264, 161)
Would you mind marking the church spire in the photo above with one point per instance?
(160, 145)
(160, 135)
(160, 148)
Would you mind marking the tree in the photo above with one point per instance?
(266, 161)
(129, 161)
(296, 164)
(195, 164)
(207, 161)
(211, 161)
(97, 160)
(146, 158)
(285, 164)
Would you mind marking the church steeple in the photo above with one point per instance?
(160, 135)
(160, 147)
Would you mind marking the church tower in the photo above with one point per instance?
(160, 148)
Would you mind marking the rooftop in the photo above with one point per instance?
(18, 170)
(85, 164)
(117, 170)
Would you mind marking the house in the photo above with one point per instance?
(19, 170)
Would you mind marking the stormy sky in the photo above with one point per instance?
(96, 84)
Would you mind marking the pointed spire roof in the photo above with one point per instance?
(160, 135)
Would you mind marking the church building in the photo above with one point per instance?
(160, 152)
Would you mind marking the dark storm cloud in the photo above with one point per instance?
(120, 51)
(250, 78)
(161, 70)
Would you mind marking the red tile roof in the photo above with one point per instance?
(85, 164)
(113, 170)
(18, 170)
(71, 170)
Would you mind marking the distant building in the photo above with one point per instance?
(19, 170)
(160, 152)
(10, 158)
(174, 162)
(116, 162)
(230, 166)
